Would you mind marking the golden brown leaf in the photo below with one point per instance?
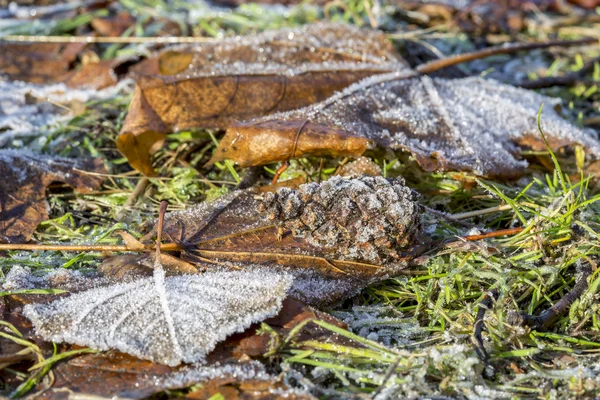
(23, 188)
(259, 144)
(213, 85)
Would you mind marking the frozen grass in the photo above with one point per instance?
(413, 334)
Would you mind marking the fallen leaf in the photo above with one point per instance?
(114, 25)
(117, 375)
(335, 238)
(37, 62)
(469, 124)
(165, 320)
(213, 85)
(257, 144)
(23, 188)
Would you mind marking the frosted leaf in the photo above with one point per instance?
(379, 227)
(213, 85)
(368, 218)
(469, 124)
(166, 320)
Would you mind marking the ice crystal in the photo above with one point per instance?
(167, 320)
(461, 124)
(382, 324)
(369, 218)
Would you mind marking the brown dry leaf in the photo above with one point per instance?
(489, 15)
(469, 124)
(114, 25)
(213, 85)
(23, 188)
(257, 144)
(37, 62)
(52, 63)
(335, 238)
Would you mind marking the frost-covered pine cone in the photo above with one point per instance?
(369, 218)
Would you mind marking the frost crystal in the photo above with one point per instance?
(370, 218)
(468, 124)
(167, 320)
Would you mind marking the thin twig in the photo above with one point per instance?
(476, 213)
(548, 317)
(501, 232)
(436, 65)
(107, 39)
(85, 247)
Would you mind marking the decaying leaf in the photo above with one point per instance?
(25, 177)
(215, 84)
(166, 320)
(469, 124)
(117, 375)
(255, 144)
(328, 258)
(37, 62)
(47, 63)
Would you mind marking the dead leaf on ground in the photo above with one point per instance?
(213, 85)
(37, 62)
(256, 144)
(489, 15)
(112, 373)
(25, 177)
(46, 63)
(168, 321)
(469, 124)
(335, 238)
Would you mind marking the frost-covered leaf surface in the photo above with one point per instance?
(335, 237)
(167, 320)
(469, 124)
(215, 84)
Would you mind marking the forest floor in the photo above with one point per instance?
(421, 327)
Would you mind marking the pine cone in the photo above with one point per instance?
(369, 219)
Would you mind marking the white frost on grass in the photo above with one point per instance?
(23, 278)
(194, 313)
(383, 324)
(28, 109)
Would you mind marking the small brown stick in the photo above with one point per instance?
(548, 317)
(501, 232)
(436, 65)
(280, 171)
(159, 229)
